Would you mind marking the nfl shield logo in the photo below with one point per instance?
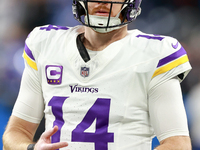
(84, 72)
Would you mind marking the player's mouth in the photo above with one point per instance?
(102, 13)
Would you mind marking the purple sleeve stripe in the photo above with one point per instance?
(171, 65)
(30, 62)
(172, 57)
(28, 52)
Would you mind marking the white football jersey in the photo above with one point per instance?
(101, 104)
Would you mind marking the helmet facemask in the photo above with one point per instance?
(103, 24)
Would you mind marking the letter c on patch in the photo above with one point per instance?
(54, 74)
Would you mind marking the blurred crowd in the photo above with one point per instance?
(176, 18)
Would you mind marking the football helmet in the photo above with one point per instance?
(129, 11)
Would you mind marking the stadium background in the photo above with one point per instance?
(177, 18)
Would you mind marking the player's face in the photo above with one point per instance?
(103, 9)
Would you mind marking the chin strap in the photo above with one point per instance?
(101, 22)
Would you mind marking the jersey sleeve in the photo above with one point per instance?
(35, 40)
(173, 62)
(164, 93)
(29, 104)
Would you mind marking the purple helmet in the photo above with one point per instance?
(130, 10)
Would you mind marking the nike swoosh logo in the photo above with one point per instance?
(175, 46)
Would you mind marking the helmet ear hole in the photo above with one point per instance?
(127, 12)
(78, 9)
(132, 10)
(81, 10)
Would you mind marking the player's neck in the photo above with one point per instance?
(99, 41)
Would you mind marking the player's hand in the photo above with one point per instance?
(44, 143)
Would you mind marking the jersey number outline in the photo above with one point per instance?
(99, 111)
(52, 27)
(154, 37)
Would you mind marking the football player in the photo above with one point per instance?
(100, 86)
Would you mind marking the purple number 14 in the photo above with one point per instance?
(99, 111)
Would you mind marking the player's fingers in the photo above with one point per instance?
(55, 146)
(49, 133)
